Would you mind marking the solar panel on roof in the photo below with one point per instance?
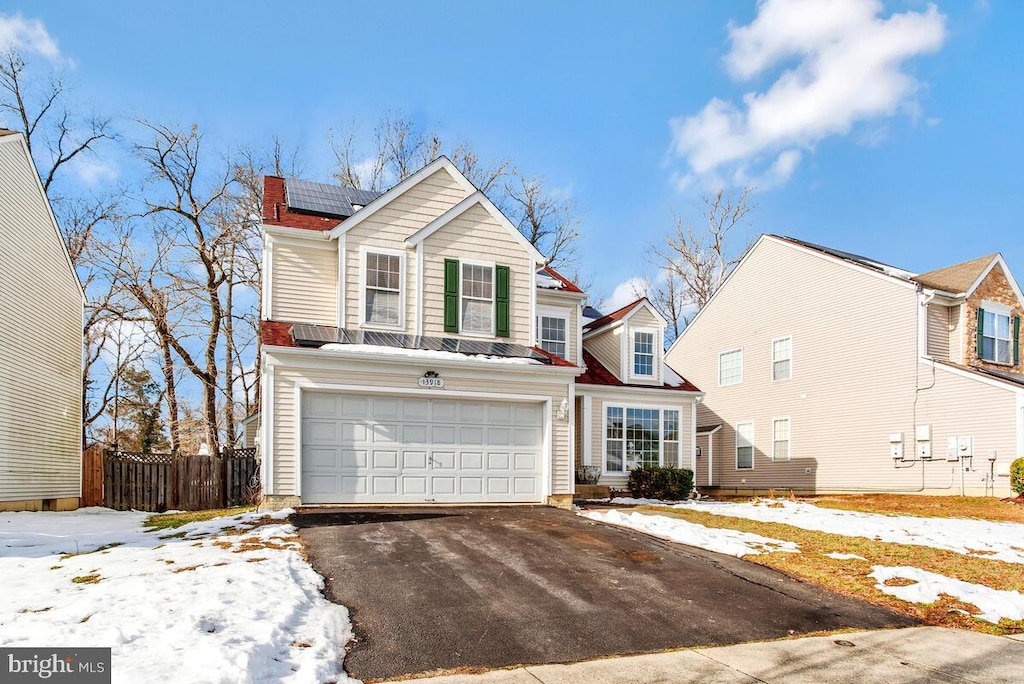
(323, 198)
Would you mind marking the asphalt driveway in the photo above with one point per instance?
(445, 588)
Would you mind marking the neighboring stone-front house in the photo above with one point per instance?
(41, 305)
(828, 371)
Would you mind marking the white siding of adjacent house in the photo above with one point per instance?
(938, 331)
(40, 343)
(304, 280)
(374, 376)
(547, 298)
(476, 235)
(854, 368)
(388, 228)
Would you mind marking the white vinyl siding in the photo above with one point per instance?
(605, 348)
(744, 446)
(780, 439)
(938, 333)
(782, 359)
(304, 281)
(40, 343)
(730, 367)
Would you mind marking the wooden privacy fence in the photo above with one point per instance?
(160, 482)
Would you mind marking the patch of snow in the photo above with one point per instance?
(845, 556)
(993, 603)
(379, 350)
(208, 606)
(729, 542)
(547, 282)
(981, 538)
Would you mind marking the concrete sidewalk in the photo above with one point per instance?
(917, 654)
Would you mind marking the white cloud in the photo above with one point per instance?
(93, 172)
(843, 66)
(28, 35)
(624, 293)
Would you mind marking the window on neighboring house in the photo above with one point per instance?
(643, 353)
(730, 367)
(780, 439)
(552, 335)
(998, 335)
(640, 437)
(383, 294)
(478, 299)
(744, 446)
(782, 359)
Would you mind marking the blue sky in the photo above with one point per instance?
(891, 130)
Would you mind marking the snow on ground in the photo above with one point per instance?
(996, 540)
(202, 607)
(729, 542)
(845, 556)
(993, 603)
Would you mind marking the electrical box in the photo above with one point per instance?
(923, 437)
(896, 445)
(965, 446)
(952, 454)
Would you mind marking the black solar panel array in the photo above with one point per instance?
(323, 198)
(307, 335)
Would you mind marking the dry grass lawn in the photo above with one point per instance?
(167, 521)
(982, 508)
(849, 577)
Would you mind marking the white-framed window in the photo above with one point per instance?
(383, 278)
(780, 439)
(552, 334)
(782, 359)
(745, 446)
(644, 352)
(477, 295)
(730, 367)
(640, 436)
(995, 333)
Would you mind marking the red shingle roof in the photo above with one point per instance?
(616, 315)
(597, 374)
(568, 284)
(277, 213)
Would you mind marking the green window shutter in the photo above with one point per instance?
(1016, 340)
(451, 295)
(980, 342)
(501, 301)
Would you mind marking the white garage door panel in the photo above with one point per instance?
(369, 449)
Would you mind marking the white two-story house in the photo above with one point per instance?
(400, 351)
(829, 371)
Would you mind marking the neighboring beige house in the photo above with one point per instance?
(41, 308)
(631, 408)
(827, 371)
(400, 351)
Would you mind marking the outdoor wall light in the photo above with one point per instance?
(563, 410)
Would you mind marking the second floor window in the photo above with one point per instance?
(477, 298)
(730, 367)
(643, 353)
(995, 342)
(782, 359)
(383, 289)
(552, 335)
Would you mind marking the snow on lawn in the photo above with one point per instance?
(996, 540)
(204, 606)
(993, 603)
(729, 542)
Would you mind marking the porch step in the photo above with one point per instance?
(592, 492)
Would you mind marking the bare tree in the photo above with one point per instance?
(693, 262)
(550, 222)
(54, 136)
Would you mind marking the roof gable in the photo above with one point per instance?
(8, 137)
(620, 316)
(400, 189)
(478, 198)
(962, 277)
(597, 374)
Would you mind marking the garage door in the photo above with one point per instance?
(381, 449)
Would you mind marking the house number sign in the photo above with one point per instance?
(432, 380)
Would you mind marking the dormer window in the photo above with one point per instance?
(552, 334)
(382, 288)
(998, 332)
(643, 353)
